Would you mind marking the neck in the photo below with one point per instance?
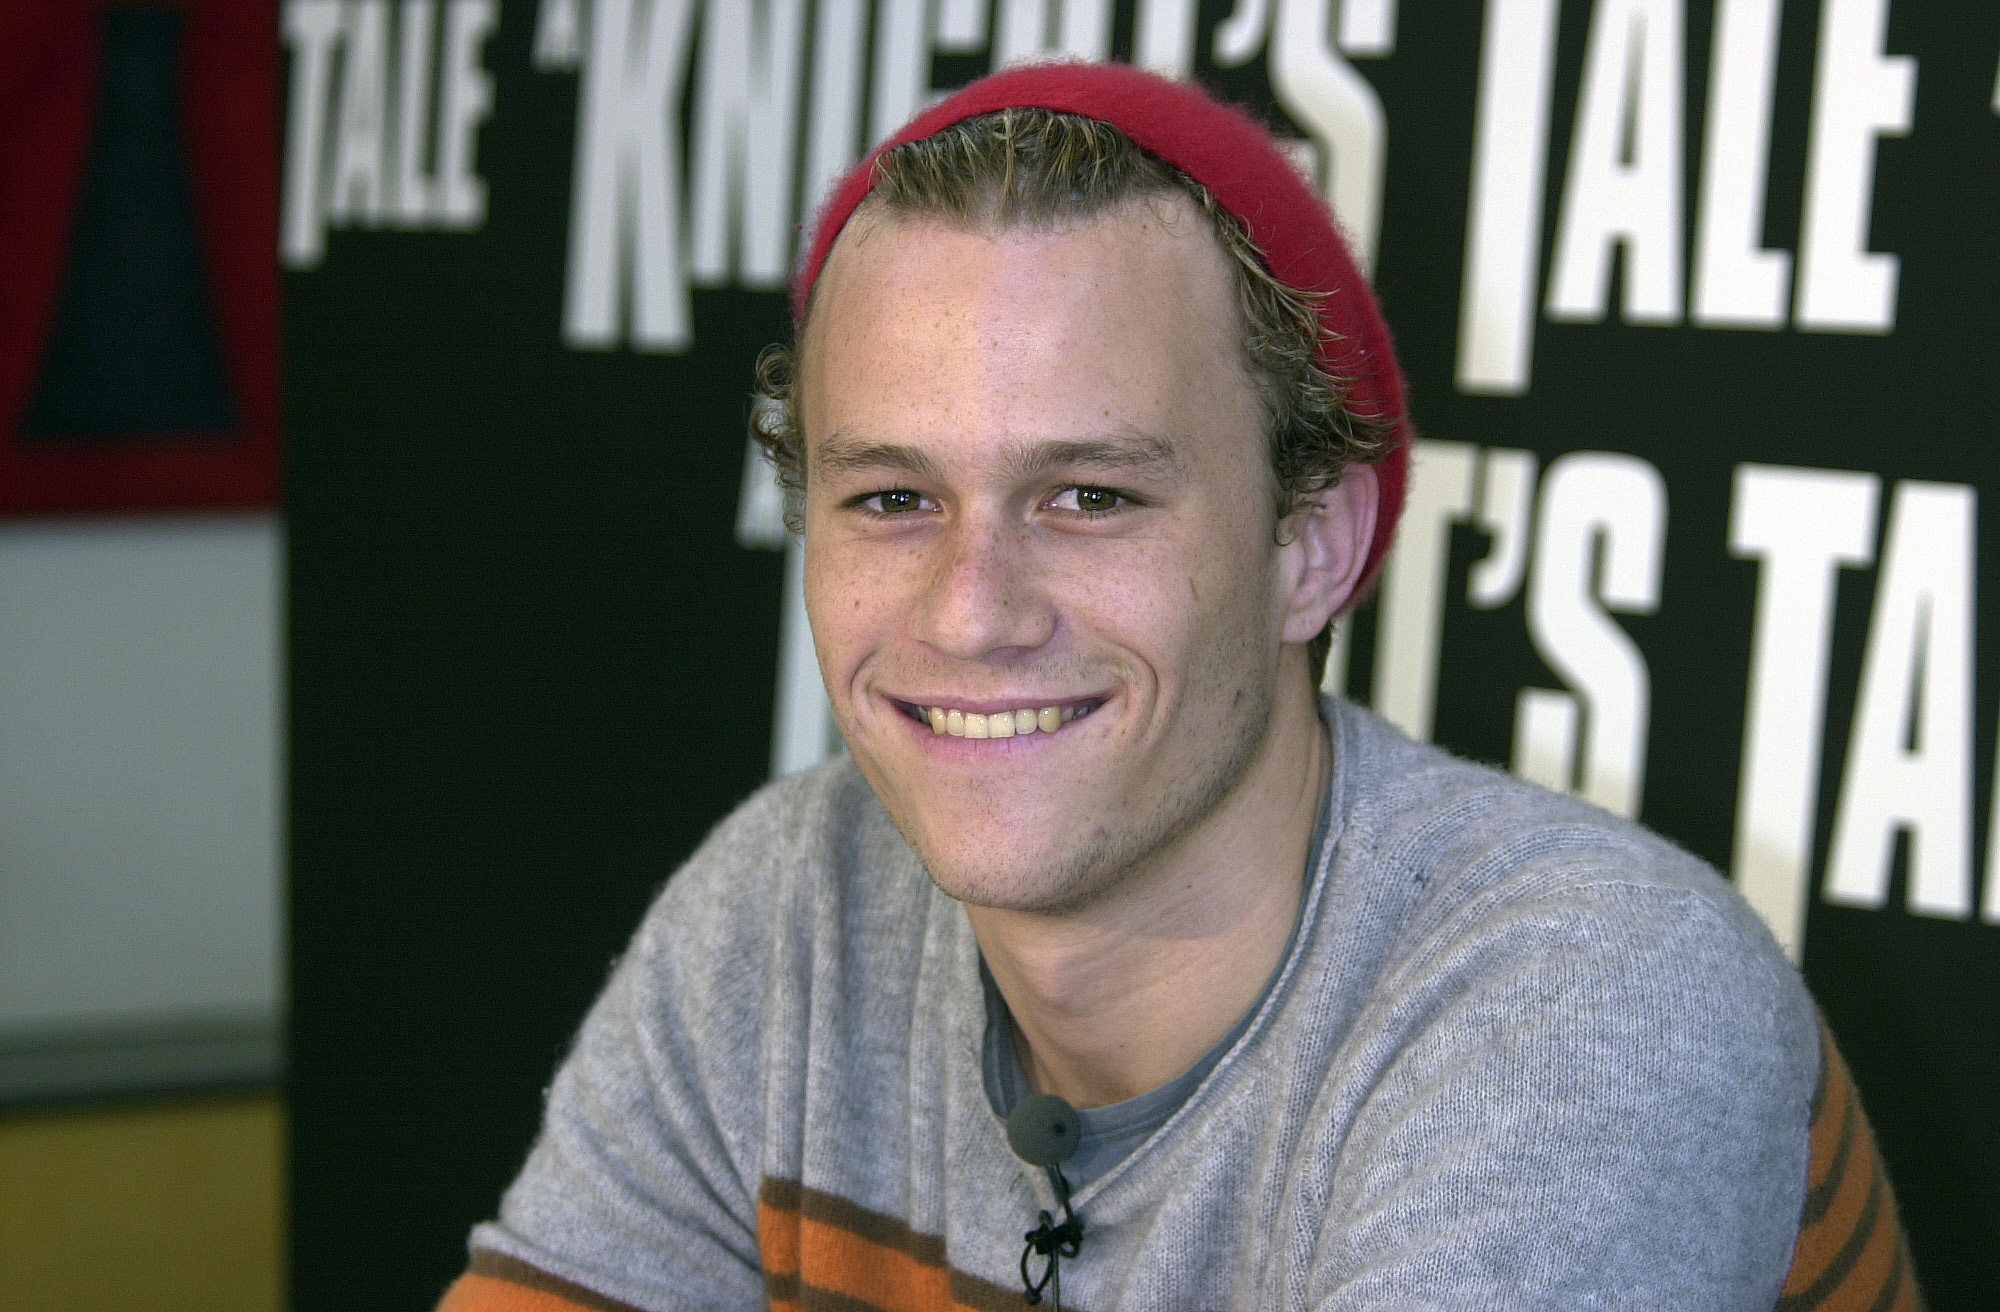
(1118, 998)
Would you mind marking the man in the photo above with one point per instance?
(1094, 431)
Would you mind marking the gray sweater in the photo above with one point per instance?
(1521, 1054)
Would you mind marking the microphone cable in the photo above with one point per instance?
(1043, 1131)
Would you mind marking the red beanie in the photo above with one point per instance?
(1225, 150)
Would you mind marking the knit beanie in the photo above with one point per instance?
(1236, 158)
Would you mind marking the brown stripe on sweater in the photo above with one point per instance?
(984, 1295)
(830, 1209)
(1829, 1169)
(823, 1253)
(1851, 1253)
(498, 1266)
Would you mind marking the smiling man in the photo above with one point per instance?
(1113, 965)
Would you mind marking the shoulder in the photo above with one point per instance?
(1506, 885)
(1467, 831)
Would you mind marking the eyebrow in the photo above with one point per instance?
(1123, 451)
(845, 455)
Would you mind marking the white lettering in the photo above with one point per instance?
(746, 139)
(414, 197)
(1333, 678)
(1603, 517)
(311, 29)
(1020, 31)
(1410, 613)
(1545, 738)
(1858, 95)
(760, 507)
(361, 142)
(961, 26)
(1802, 526)
(1737, 283)
(1496, 318)
(558, 36)
(1368, 27)
(902, 65)
(1506, 504)
(834, 126)
(803, 731)
(466, 101)
(1240, 36)
(1909, 760)
(626, 199)
(1163, 41)
(1339, 108)
(1082, 30)
(1624, 179)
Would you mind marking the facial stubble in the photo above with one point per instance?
(1107, 857)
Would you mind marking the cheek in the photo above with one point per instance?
(839, 601)
(858, 596)
(1191, 605)
(1236, 570)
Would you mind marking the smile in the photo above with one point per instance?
(999, 724)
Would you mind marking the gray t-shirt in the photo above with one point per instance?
(1522, 1054)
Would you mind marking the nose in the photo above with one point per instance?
(982, 600)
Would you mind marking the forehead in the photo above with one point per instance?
(1128, 320)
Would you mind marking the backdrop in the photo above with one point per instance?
(1700, 305)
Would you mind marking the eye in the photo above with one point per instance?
(895, 501)
(1091, 501)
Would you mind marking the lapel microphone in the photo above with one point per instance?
(1043, 1131)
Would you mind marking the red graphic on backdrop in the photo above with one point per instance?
(226, 94)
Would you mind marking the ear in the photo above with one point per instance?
(1324, 548)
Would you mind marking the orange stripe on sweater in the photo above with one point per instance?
(812, 1261)
(841, 1262)
(778, 1240)
(477, 1293)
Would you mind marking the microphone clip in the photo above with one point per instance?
(1044, 1131)
(1053, 1242)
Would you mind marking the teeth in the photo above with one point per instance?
(1000, 724)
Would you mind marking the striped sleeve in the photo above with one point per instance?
(1851, 1254)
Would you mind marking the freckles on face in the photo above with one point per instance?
(1036, 481)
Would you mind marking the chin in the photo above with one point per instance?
(1046, 883)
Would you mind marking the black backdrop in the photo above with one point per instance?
(531, 663)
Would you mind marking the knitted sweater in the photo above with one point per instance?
(1520, 1054)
